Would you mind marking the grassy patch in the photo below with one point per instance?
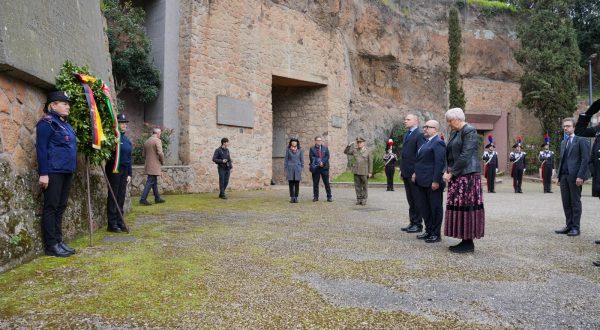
(493, 5)
(377, 178)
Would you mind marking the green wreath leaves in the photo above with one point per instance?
(79, 117)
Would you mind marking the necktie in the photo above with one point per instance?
(419, 151)
(319, 152)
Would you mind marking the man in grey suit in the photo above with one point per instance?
(572, 172)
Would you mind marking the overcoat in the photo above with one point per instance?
(293, 164)
(153, 155)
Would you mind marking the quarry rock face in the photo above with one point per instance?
(307, 66)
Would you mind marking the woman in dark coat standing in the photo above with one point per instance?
(465, 215)
(293, 164)
(582, 129)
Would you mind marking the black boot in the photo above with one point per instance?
(465, 246)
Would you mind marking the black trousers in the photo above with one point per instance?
(118, 183)
(517, 180)
(491, 179)
(223, 179)
(412, 196)
(547, 179)
(316, 176)
(389, 173)
(571, 200)
(430, 206)
(294, 188)
(56, 196)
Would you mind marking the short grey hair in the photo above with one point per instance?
(455, 113)
(156, 130)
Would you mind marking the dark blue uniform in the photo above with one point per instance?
(118, 183)
(56, 147)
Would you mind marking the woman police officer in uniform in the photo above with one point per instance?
(56, 147)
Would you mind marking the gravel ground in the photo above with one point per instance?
(338, 265)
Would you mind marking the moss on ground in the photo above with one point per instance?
(198, 261)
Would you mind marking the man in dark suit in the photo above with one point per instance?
(429, 167)
(572, 172)
(412, 141)
(319, 167)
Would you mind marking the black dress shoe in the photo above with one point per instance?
(433, 239)
(563, 231)
(66, 247)
(573, 232)
(161, 201)
(114, 230)
(597, 241)
(414, 229)
(316, 199)
(145, 202)
(405, 228)
(57, 251)
(423, 236)
(596, 263)
(330, 199)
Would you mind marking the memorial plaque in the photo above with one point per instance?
(279, 143)
(234, 112)
(336, 121)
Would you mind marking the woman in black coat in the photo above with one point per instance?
(582, 129)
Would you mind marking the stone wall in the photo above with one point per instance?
(174, 180)
(20, 196)
(36, 38)
(235, 49)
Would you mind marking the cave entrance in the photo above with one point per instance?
(300, 111)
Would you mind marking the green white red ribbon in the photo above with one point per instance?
(116, 128)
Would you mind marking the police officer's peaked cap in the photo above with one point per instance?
(56, 96)
(121, 118)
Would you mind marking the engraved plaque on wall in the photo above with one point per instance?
(279, 143)
(336, 121)
(235, 112)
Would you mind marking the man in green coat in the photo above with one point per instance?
(362, 167)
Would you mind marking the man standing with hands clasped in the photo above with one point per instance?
(362, 167)
(319, 167)
(572, 172)
(430, 165)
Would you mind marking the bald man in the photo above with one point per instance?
(429, 167)
(413, 139)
